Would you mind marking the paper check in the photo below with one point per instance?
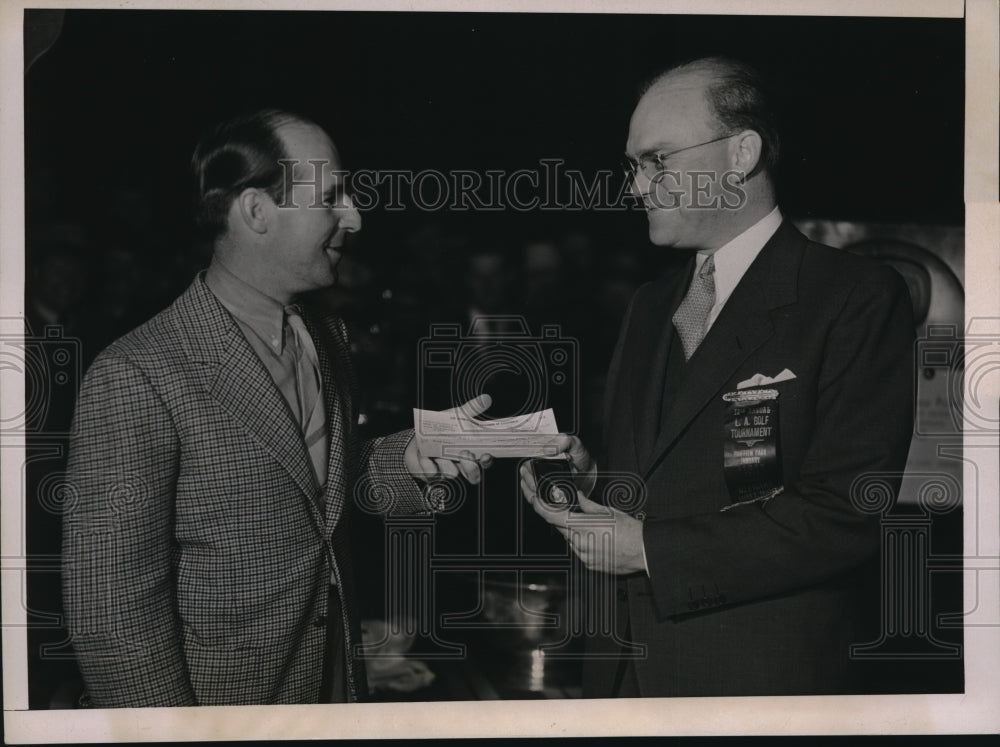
(448, 433)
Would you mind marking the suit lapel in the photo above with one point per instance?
(333, 349)
(238, 380)
(649, 364)
(741, 328)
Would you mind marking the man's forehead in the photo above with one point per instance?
(306, 142)
(673, 103)
(676, 92)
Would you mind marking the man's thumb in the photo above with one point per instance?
(476, 406)
(588, 506)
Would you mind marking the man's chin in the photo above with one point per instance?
(320, 281)
(660, 234)
(669, 231)
(334, 257)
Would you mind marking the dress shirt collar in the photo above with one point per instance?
(262, 314)
(734, 258)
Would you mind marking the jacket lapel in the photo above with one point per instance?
(649, 366)
(332, 348)
(238, 380)
(741, 328)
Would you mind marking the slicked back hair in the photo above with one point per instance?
(234, 155)
(738, 96)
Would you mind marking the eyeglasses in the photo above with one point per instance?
(651, 164)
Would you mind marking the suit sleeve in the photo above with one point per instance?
(385, 482)
(813, 530)
(118, 583)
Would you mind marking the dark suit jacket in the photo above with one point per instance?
(765, 597)
(197, 560)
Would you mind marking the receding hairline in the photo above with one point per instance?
(712, 69)
(710, 76)
(663, 89)
(686, 80)
(703, 75)
(681, 79)
(295, 123)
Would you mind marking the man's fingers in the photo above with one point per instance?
(584, 469)
(562, 443)
(570, 536)
(573, 447)
(528, 477)
(433, 468)
(586, 543)
(470, 471)
(577, 451)
(581, 546)
(427, 467)
(588, 506)
(476, 406)
(469, 467)
(554, 516)
(528, 491)
(446, 468)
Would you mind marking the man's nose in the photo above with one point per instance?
(350, 218)
(639, 184)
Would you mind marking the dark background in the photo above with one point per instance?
(872, 109)
(871, 113)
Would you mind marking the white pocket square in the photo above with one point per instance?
(762, 380)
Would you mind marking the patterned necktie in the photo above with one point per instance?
(308, 387)
(691, 316)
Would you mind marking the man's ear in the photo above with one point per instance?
(746, 154)
(253, 208)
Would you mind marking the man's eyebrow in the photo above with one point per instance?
(655, 148)
(334, 192)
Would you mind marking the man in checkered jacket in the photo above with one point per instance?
(206, 559)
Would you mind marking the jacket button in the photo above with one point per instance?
(319, 622)
(622, 594)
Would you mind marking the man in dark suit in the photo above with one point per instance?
(207, 551)
(750, 392)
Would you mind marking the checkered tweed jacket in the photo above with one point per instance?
(196, 557)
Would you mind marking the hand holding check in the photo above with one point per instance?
(429, 469)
